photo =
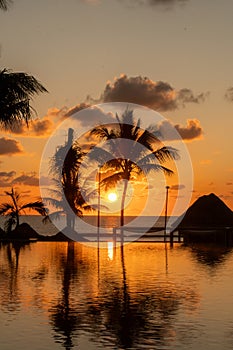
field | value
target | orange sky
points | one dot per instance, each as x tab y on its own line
80	50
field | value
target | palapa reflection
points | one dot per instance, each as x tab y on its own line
210	255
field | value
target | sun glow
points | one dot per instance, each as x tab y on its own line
112	197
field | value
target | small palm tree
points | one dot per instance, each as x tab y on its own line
15	208
16	91
131	161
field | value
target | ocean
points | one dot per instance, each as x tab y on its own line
106	222
143	296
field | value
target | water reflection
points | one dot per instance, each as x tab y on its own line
131	297
210	255
11	295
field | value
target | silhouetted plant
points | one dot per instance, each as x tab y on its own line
131	160
4	4
16	91
13	209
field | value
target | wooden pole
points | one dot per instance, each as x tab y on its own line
166	205
98	217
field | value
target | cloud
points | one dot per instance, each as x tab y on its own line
24	179
177	187
92	116
6	178
187	96
191	131
229	94
10	146
229	183
5	174
41	127
144	91
164	3
36	128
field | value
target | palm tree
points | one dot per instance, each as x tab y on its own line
68	196
132	161
15	208
4	4
16	91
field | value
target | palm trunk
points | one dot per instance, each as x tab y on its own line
12	194
17	219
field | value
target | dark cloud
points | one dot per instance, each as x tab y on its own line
162	3
6	178
5	174
29	180
41	127
191	131
90	116
10	146
187	96
37	127
144	91
79	107
229	183
229	94
177	187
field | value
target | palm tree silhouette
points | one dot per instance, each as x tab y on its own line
15	208
68	197
128	142
4	4
16	91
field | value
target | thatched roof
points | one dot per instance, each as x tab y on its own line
208	211
24	231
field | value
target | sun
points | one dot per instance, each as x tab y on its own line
112	196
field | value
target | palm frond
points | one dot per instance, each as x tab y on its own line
152	167
54	202
16	91
4	4
37	206
104	132
10	222
166	153
112	180
56	215
147	139
5	207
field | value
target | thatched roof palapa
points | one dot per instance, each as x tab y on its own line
207	211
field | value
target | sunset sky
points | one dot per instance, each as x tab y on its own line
173	56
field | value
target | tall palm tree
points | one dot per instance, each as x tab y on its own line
16	91
132	160
15	208
68	196
4	4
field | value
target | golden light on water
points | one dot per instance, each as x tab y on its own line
110	250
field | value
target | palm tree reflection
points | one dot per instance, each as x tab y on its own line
64	316
11	299
117	314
